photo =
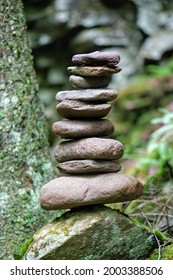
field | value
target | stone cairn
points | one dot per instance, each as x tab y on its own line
87	157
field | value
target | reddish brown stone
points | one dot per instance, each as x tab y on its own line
89	82
89	148
81	129
97	95
73	191
109	59
72	109
88	166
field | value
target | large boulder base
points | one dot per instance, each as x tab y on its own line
91	233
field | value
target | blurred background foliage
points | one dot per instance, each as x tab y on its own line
142	32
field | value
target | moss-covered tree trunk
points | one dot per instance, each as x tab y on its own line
24	158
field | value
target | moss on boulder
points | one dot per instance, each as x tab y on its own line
91	233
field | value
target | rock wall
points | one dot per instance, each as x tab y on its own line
139	30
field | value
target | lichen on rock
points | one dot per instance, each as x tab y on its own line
91	233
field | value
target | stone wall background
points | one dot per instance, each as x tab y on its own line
141	31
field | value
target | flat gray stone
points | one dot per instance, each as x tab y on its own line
73	191
90	71
81	129
72	109
103	95
109	59
89	148
88	166
89	82
93	233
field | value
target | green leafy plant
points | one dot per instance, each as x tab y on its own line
156	167
159	156
163	70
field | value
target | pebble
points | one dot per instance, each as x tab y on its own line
91	71
81	129
73	191
109	59
88	166
72	109
89	82
89	148
103	95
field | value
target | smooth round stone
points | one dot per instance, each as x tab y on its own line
71	109
88	166
99	95
109	59
81	129
89	148
89	71
89	82
73	191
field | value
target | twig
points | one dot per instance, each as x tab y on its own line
150	214
167	228
157	240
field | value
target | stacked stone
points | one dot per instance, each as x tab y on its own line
87	156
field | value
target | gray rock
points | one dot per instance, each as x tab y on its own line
73	191
93	233
166	18
81	129
72	109
89	82
148	14
90	71
88	166
88	148
154	47
97	58
103	95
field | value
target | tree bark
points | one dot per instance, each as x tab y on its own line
25	163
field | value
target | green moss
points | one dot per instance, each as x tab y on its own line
92	233
161	236
23	249
166	253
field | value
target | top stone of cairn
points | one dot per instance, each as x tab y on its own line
109	59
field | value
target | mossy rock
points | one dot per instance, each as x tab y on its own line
91	233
